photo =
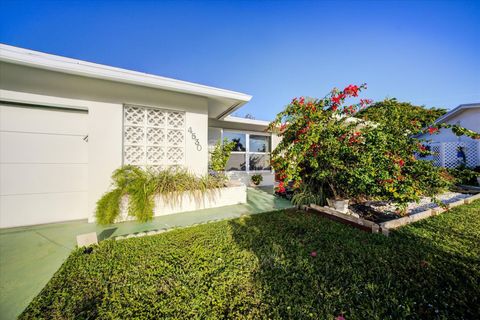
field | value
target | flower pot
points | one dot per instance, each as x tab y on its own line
339	205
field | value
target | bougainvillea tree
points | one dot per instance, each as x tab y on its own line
327	152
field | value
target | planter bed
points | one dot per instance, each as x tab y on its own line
381	216
192	200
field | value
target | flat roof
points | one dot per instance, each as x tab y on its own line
224	101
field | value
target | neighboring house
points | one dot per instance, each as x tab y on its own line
452	150
66	125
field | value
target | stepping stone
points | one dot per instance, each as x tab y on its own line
87	239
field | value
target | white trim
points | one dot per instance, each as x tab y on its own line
246	120
11	54
42	100
452	112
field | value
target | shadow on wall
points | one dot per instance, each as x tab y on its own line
310	267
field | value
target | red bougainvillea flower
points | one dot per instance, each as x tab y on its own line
301	101
338	98
365	102
400	162
313	253
432	130
281	187
350	109
340	317
351	90
283	126
353	139
334	107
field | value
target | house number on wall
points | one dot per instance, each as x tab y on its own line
194	137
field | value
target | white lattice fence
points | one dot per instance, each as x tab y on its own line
153	137
447	154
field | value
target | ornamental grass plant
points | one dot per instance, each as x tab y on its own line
142	185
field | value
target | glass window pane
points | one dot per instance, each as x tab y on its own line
214	134
259	143
259	162
238	138
236	162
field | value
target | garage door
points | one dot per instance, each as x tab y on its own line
43	165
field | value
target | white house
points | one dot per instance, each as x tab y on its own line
66	125
449	148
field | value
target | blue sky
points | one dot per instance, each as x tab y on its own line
425	52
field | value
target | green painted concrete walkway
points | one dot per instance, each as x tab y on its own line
30	256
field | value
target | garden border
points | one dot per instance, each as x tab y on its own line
385	227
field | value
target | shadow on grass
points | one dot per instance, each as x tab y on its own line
106	233
311	267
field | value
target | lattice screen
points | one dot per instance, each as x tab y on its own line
153	137
446	154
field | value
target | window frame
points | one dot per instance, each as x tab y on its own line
247	152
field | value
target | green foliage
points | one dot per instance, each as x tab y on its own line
465	176
402	115
257	179
407	118
141	187
261	267
306	196
108	207
220	154
324	145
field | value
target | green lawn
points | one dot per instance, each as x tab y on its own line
261	266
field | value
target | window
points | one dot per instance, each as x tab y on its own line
238	138
251	152
153	137
259	143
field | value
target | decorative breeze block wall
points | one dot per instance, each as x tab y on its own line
153	137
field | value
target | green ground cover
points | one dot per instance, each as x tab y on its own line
284	264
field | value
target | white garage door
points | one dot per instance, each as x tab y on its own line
43	165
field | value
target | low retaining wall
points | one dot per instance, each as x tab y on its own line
191	201
385	227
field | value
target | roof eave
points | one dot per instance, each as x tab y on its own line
10	54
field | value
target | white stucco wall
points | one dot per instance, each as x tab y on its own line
104	101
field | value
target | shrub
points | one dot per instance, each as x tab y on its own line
257	179
141	187
401	115
464	175
220	154
325	148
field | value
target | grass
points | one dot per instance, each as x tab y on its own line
261	266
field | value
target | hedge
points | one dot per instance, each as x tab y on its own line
287	264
